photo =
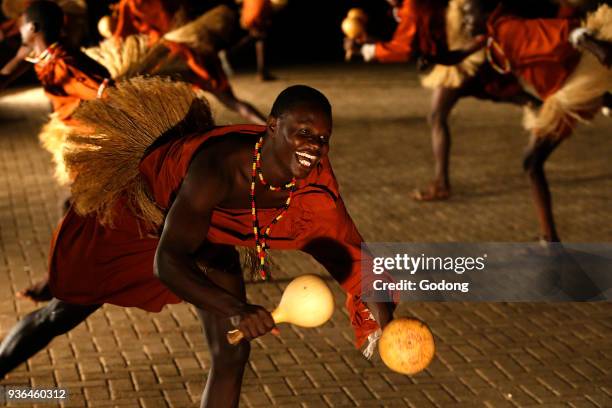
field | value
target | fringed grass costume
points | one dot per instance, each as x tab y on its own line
571	83
68	78
170	42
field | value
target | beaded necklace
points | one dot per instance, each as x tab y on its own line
44	56
260	238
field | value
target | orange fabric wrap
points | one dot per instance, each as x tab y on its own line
538	50
68	78
253	13
91	264
422	29
207	68
151	17
154	18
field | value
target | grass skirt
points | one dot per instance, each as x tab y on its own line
580	97
104	151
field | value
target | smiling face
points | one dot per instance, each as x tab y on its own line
300	137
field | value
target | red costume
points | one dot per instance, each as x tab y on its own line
254	13
93	264
537	50
422	29
68	78
151	17
155	18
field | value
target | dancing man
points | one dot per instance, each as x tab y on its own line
68	77
443	36
159	222
172	36
565	64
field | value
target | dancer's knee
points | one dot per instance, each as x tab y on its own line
438	118
533	163
231	357
59	317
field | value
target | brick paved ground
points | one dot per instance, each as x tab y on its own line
493	355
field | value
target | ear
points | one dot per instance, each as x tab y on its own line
271	124
35	27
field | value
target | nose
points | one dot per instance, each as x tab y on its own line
320	145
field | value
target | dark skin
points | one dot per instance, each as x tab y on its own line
258	36
226	97
537	153
601	49
445	99
443	102
15	68
220	176
33	40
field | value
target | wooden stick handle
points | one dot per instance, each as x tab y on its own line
234	337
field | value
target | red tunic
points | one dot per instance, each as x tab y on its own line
151	17
254	13
422	29
155	18
93	264
567	11
68	77
537	50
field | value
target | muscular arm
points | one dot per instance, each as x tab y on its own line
336	244
185	230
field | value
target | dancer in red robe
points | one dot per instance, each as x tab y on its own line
160	224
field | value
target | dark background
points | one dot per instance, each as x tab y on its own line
309	30
305	31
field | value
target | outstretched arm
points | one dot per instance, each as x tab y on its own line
15	67
185	230
601	49
336	244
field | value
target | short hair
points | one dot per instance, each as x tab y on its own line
297	95
48	17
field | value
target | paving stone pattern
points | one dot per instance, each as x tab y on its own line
488	354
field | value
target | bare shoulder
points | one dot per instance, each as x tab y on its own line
218	165
223	153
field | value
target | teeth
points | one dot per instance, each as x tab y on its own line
306	155
305	163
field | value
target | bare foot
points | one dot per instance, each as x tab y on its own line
432	193
266	76
38	292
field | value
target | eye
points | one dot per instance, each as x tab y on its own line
304	131
323	139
